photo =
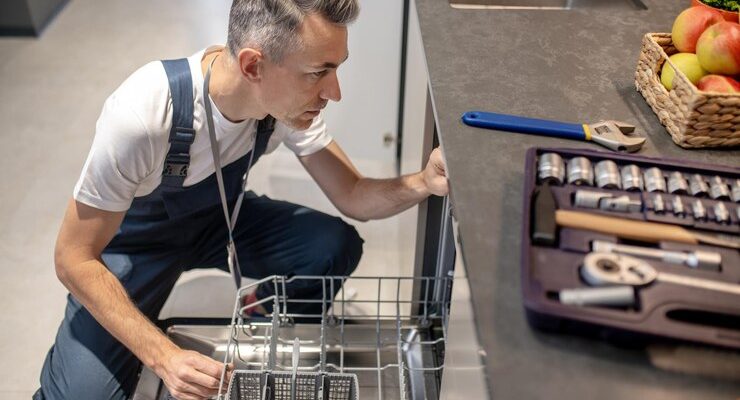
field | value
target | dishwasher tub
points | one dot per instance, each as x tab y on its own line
393	346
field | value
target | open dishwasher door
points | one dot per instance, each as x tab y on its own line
464	372
440	255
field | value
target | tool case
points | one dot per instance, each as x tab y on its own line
694	294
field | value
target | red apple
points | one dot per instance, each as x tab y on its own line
718	48
718	83
690	24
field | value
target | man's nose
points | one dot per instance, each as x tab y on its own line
331	90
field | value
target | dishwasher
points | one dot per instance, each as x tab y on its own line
386	343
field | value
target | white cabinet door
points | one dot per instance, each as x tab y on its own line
370	81
368	111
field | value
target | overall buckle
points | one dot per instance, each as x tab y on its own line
176	164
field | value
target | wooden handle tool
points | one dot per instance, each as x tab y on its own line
651	232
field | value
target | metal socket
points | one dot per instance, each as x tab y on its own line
607	175
718	189
606	201
621	203
698	210
579	171
698	186
677	183
631	178
600	296
589	199
551	168
654	181
721	214
678	208
658	203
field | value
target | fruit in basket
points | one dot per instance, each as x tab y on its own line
690	24
728	8
718	83
688	63
718	48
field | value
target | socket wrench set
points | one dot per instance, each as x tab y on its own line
631	248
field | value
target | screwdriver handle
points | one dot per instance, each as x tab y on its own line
514	123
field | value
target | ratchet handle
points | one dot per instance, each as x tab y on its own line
514	123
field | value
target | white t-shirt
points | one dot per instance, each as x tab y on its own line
132	132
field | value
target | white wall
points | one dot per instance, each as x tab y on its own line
370	84
370	81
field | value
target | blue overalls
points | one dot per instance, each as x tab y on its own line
176	228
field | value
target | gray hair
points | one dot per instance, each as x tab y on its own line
272	25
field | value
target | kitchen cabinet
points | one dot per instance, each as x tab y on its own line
365	121
27	17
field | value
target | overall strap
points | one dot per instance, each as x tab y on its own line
182	133
265	127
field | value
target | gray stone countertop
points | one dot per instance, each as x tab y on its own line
576	66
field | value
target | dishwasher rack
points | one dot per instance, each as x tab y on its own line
385	346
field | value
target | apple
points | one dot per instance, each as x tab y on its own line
688	63
718	48
718	83
690	24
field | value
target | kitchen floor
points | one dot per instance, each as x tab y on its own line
52	90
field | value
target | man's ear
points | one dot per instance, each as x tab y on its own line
251	63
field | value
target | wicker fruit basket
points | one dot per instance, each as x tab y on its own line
694	118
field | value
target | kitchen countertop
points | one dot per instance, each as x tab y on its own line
578	66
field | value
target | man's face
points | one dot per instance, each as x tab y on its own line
296	89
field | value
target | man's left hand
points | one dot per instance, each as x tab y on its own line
435	174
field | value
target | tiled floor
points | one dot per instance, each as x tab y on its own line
52	92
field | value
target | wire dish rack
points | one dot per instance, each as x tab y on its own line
387	346
268	384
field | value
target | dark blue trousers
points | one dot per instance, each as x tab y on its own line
273	238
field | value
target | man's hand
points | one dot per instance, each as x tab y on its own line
190	375
435	174
84	234
364	198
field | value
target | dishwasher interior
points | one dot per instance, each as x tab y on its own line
396	352
384	343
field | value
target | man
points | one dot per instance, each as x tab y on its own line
148	204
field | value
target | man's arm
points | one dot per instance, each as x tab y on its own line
364	198
84	234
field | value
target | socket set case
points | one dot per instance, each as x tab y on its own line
631	249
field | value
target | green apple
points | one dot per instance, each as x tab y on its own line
688	63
